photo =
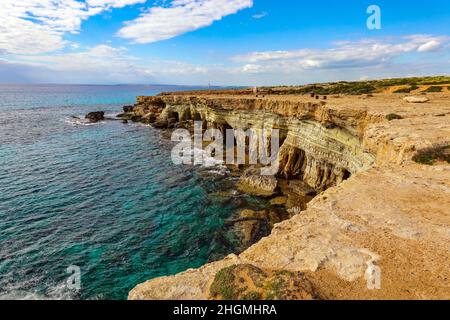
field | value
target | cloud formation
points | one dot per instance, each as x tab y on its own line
364	53
104	64
38	26
181	16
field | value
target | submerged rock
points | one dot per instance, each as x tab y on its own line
253	183
95	116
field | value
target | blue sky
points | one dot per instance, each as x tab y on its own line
222	42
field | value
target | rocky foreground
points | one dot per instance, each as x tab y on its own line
377	210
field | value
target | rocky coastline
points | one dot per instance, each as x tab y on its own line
352	198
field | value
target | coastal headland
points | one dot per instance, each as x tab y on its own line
375	163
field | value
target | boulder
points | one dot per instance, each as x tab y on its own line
252	182
413	99
301	188
95	116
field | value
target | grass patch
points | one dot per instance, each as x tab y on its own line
393	116
433	89
223	284
275	288
430	155
252	296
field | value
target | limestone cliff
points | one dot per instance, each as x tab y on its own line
378	208
318	144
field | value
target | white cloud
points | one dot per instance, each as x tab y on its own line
161	23
38	26
358	54
430	46
260	15
101	64
113	3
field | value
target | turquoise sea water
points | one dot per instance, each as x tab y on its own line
104	197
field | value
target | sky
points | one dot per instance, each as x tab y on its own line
221	42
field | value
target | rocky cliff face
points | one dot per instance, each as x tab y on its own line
378	212
316	146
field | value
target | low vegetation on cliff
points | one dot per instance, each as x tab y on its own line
433	154
433	89
247	282
393	116
365	87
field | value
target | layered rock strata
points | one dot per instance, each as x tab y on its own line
315	147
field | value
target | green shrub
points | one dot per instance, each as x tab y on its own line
407	90
430	155
433	89
252	296
223	284
393	116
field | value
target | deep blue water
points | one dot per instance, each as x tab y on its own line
105	197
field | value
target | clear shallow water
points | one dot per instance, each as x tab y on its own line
104	197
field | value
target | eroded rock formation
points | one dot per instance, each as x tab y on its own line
315	148
380	214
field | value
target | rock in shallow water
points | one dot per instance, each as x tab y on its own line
253	183
95	116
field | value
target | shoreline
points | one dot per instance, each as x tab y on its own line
366	221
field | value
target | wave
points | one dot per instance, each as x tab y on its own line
55	292
210	164
75	121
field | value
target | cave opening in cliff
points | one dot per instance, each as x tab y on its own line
174	115
346	175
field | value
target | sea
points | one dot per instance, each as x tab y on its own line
102	199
